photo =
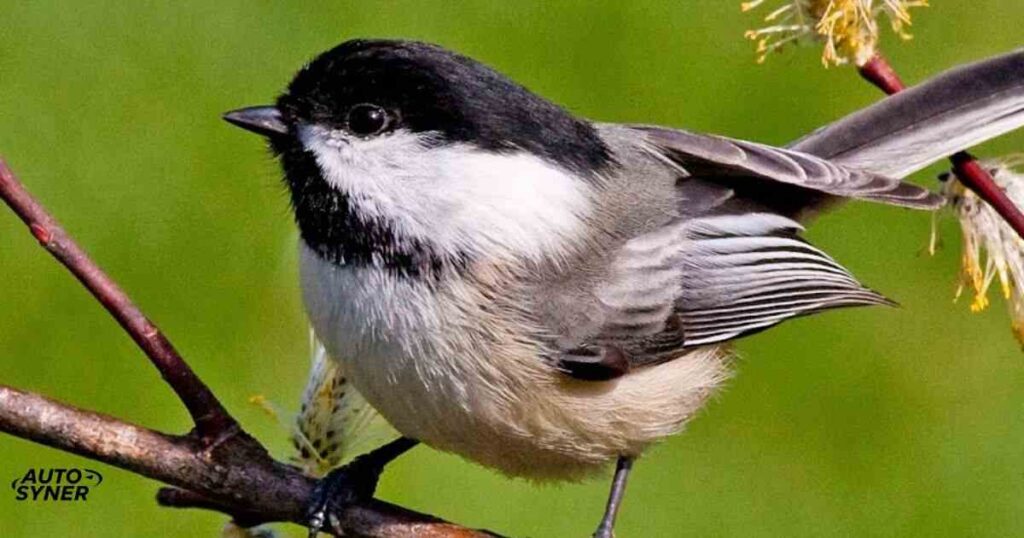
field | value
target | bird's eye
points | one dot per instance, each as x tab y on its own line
366	119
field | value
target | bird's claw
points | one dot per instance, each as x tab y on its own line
342	487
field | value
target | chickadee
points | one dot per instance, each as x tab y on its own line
543	294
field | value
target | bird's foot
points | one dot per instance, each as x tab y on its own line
342	487
353	483
604	530
607	527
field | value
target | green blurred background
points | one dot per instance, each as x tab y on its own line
876	422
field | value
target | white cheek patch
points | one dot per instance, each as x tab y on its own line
455	197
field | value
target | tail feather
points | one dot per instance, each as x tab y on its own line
917	127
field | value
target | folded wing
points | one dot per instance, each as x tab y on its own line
716	157
713	278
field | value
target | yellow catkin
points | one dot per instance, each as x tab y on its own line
992	250
848	29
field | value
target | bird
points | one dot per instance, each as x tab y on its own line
547	295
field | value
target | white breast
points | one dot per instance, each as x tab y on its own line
368	313
405	346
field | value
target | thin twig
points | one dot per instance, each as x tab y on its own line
212	421
880	72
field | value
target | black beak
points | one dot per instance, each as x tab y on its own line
262	120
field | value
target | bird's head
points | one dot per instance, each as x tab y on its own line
407	156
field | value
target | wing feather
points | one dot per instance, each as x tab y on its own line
747	272
712	278
717	157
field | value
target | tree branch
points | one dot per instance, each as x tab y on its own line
879	72
222	468
261	485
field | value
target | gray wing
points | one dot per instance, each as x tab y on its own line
735	270
710	156
728	262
